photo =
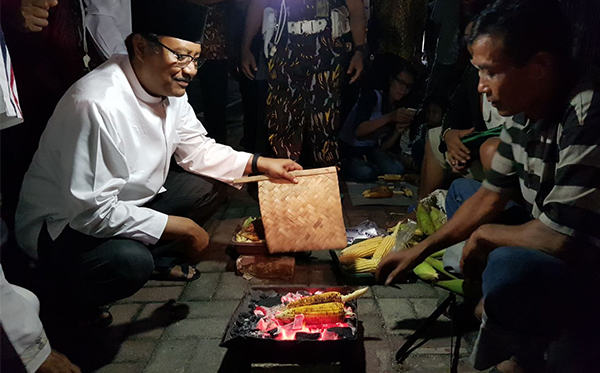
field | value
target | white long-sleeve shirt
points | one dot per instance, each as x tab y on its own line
106	152
19	317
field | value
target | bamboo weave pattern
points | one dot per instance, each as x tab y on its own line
303	217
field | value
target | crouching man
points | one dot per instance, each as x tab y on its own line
540	279
100	206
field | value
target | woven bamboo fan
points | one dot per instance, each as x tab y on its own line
301	217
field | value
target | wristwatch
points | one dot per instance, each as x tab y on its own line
254	164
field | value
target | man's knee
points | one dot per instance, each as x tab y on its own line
526	289
131	266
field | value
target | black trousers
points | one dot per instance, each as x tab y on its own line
92	272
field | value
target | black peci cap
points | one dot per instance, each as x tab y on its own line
180	19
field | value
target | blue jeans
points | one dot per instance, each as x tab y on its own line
531	293
377	163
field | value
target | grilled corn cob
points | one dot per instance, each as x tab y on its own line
330	296
403	192
362	249
378	192
317	313
426	272
391	177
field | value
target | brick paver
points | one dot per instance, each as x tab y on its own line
155	337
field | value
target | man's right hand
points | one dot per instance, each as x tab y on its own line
396	266
248	64
58	363
458	153
187	231
35	13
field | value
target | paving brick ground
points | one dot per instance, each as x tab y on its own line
176	327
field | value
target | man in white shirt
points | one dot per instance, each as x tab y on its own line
100	206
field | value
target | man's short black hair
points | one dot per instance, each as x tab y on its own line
527	27
129	41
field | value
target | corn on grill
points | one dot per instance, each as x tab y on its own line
288	323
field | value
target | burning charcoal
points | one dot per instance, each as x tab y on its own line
345	333
273	332
298	322
269	302
302	336
245	315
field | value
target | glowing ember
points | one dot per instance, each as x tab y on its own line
271	328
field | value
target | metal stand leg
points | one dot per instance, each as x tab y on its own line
406	349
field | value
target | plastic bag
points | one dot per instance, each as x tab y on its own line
406	232
365	230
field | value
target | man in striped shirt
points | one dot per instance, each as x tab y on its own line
541	278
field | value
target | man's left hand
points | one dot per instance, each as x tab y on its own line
278	168
475	254
356	66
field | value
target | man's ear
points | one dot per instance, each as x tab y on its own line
140	47
541	65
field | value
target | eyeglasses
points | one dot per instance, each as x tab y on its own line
183	59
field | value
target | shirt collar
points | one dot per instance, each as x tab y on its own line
138	90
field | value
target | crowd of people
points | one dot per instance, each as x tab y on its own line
109	180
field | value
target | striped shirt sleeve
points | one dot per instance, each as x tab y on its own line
573	205
502	177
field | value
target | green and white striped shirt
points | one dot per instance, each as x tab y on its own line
556	165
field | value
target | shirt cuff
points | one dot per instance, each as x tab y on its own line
156	228
240	164
33	362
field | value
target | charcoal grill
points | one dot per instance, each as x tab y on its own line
245	345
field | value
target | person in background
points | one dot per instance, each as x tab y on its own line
413	140
446	157
101	208
375	123
539	279
253	83
305	74
25	347
208	92
397	27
